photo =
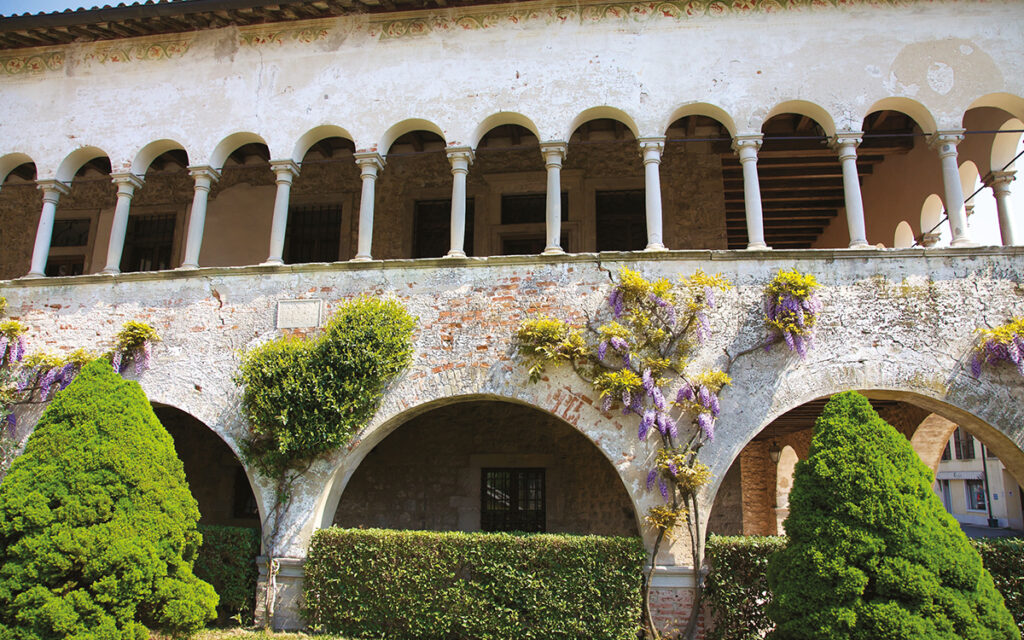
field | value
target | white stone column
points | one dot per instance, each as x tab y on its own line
945	143
370	163
460	158
846	143
554	153
204	176
284	171
746	147
126	183
52	191
652	148
1000	181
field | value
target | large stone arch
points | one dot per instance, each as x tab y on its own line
616	444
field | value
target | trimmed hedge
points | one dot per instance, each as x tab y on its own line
420	585
227	560
737	584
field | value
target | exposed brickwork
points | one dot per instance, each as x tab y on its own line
671	608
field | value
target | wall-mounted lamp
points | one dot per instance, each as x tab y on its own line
774	452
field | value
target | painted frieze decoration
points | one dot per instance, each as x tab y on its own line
31	63
127	51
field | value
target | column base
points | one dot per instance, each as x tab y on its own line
287	596
272	262
455	254
964	243
757	246
187	267
110	272
362	257
32	275
655	246
553	251
859	245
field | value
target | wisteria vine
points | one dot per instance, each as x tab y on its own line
791	309
1004	343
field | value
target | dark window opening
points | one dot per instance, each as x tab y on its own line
512	500
148	243
529	208
963	443
313	234
526	244
64	266
621	220
73	232
946	454
432	236
245	501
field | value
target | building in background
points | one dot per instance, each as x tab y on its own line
976	488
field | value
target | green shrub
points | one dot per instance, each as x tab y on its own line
97	525
227	560
737	583
307	397
1004	559
418	585
736	587
872	554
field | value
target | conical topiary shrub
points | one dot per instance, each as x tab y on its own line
872	555
97	525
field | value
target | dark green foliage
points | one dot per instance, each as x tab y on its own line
1004	559
227	560
737	584
872	554
736	587
419	585
97	525
307	397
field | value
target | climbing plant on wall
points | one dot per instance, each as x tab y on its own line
305	397
1004	343
642	344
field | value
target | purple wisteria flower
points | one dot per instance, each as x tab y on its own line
685	392
25	379
652	475
47	382
147	354
672	468
115	361
673	427
709	297
976	364
3	346
647	381
645	424
707	425
602	349
19	349
663	488
661	302
619	344
658	398
714	406
627	397
615	302
704	396
606	404
12	423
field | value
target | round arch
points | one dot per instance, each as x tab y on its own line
396	131
357	454
970	178
229	144
1008	102
804	108
213	446
784	484
12	161
598	113
701	109
151	152
499	119
315	135
908	106
904	236
931	215
75	160
1005	144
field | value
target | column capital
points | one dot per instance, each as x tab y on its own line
1000	180
747	144
370	162
846	139
554	151
203	171
52	189
460	158
651	148
945	142
284	169
127	182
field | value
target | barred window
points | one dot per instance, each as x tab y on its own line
148	243
512	500
621	219
313	234
963	444
432	223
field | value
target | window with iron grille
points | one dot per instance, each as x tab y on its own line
512	500
313	234
946	455
148	243
525	208
621	219
432	223
963	444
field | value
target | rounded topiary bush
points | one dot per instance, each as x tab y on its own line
872	554
97	525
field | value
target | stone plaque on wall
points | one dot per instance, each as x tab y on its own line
299	314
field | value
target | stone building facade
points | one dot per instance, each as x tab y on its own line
232	175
